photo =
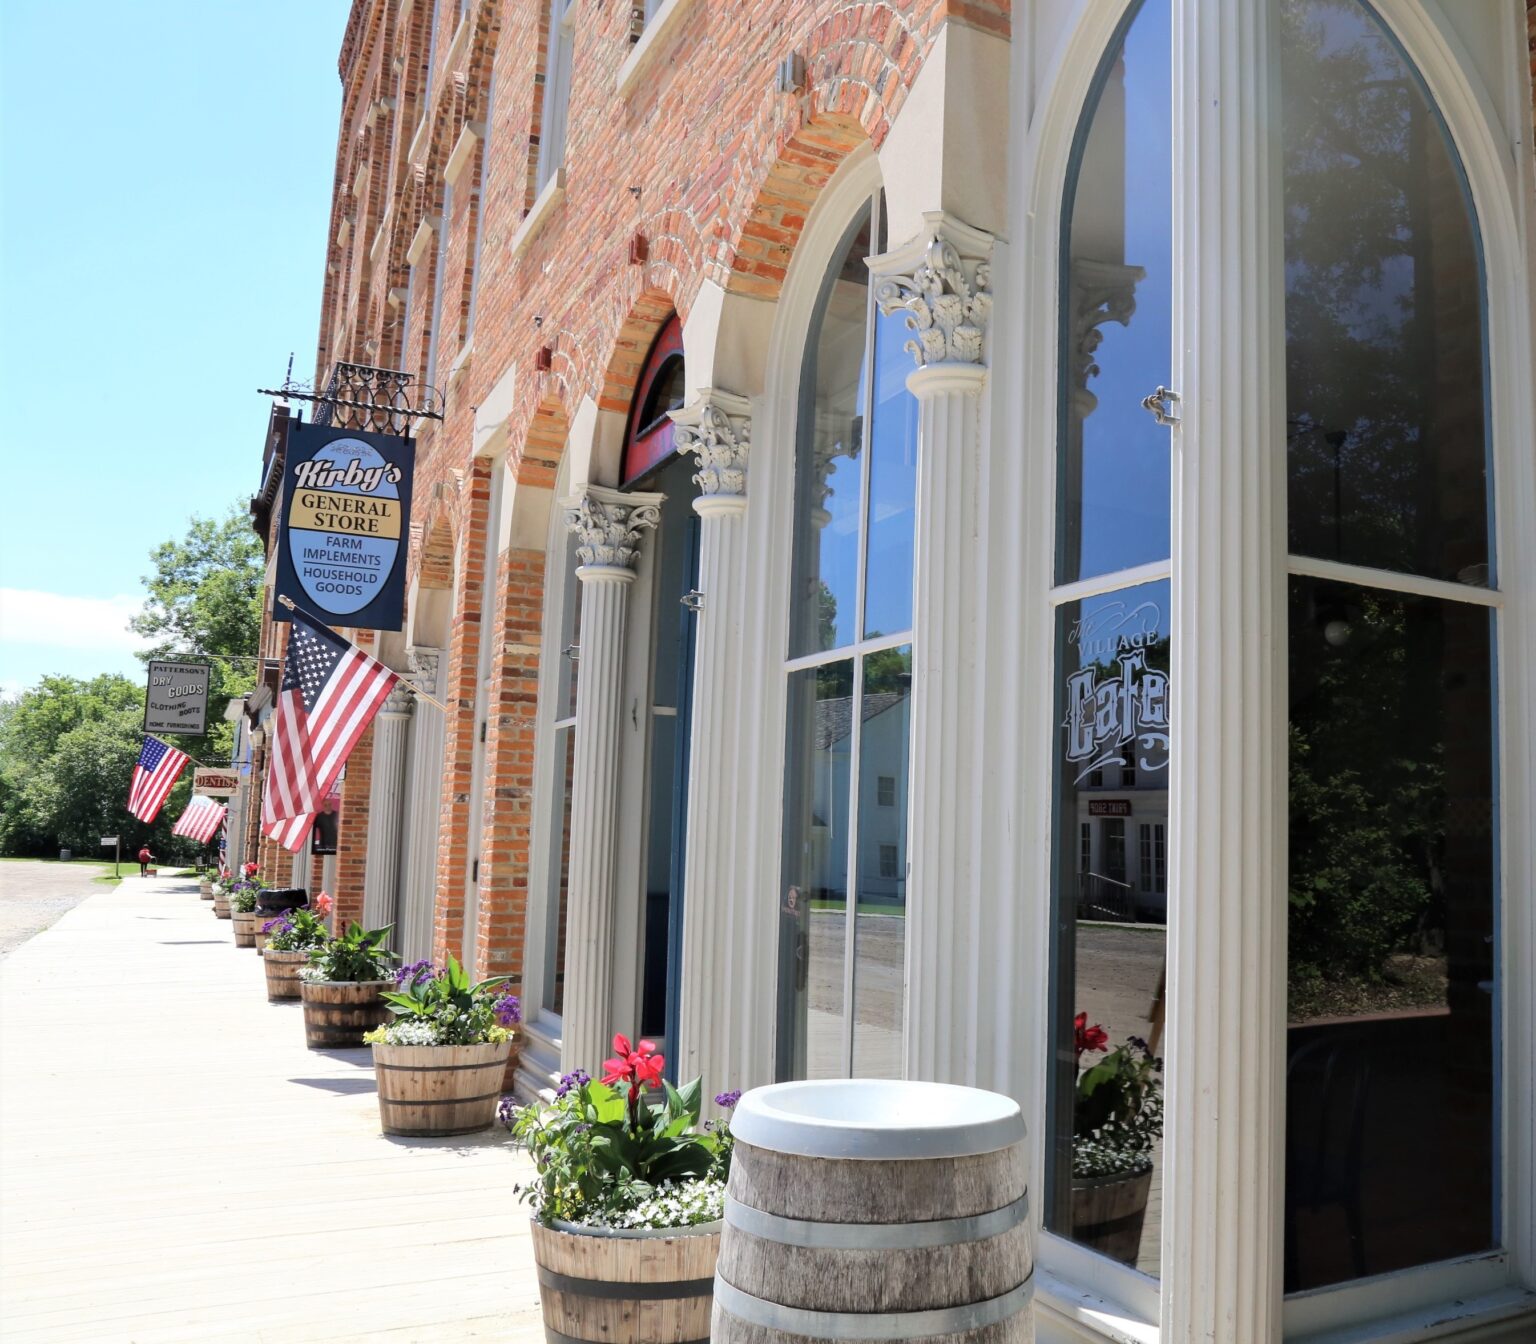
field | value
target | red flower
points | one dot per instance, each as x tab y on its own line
638	1064
1088	1038
323	904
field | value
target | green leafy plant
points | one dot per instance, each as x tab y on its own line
435	1005
242	894
359	954
1117	1113
606	1156
295	931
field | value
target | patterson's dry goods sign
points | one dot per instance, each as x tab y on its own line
177	701
346	523
215	783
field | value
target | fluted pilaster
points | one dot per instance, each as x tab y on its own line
1227	856
940	279
608	527
386	801
415	905
717	429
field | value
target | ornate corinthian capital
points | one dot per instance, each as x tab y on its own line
942	280
608	525
1102	291
717	429
401	701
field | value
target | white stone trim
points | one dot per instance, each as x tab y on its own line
416	153
463	151
421	240
543	206
658	28
380	239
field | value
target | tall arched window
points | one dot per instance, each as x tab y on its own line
842	922
1392	1144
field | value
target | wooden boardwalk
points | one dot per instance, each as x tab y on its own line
175	1165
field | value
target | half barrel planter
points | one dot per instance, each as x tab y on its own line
246	922
205	888
221	904
651	1286
282	970
338	1012
428	1091
876	1209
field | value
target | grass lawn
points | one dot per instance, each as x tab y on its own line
865	908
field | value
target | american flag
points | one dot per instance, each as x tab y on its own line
201	820
292	833
159	767
330	692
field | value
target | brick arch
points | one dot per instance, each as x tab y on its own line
647	312
537	461
860	65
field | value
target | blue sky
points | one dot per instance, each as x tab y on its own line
165	180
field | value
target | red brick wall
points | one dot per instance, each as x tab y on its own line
717	171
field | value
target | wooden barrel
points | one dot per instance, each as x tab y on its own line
876	1210
514	1061
221	905
245	924
283	973
439	1089
338	1012
635	1287
1108	1211
205	889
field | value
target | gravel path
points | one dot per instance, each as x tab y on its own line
35	892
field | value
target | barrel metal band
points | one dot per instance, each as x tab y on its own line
436	1101
877	1236
439	1068
628	1292
555	1337
872	1325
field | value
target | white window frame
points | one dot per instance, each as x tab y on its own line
439	269
1081	1295
555	107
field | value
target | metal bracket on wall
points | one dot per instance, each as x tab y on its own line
1161	404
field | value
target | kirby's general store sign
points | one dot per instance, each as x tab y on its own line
346	521
177	698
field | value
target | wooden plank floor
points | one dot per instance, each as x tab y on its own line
176	1165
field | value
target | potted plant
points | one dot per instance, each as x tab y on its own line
242	906
221	886
288	940
1117	1121
343	985
628	1196
440	1062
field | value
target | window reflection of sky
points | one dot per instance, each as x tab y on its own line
1125	484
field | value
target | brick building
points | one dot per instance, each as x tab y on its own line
866	429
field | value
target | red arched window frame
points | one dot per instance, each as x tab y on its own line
650	436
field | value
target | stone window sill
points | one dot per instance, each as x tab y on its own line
543	207
657	30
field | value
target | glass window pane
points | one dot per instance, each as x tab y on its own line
814	908
880	938
1117	318
1383	309
828	485
1390	1077
892	485
658	881
570	626
1104	1145
559	872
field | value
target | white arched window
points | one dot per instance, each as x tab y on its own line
1394	1158
842	926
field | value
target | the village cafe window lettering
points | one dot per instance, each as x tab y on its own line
1117	703
347	512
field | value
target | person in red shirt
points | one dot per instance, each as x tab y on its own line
145	859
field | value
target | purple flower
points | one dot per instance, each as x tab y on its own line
407	975
506	1111
508	1010
569	1082
727	1100
282	924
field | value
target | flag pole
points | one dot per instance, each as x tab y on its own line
411	686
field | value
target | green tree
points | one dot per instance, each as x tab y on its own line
204	602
